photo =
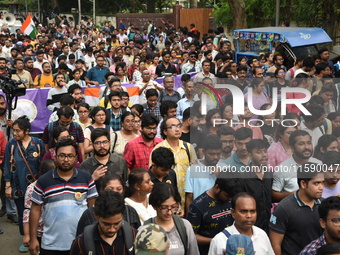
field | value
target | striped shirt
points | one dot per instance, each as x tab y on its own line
63	202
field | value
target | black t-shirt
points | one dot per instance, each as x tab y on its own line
194	137
170	178
297	222
268	132
161	69
209	217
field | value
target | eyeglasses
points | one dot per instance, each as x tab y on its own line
335	221
106	226
166	209
63	156
173	127
98	143
83	112
125	99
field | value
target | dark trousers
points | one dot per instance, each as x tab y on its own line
20	202
49	252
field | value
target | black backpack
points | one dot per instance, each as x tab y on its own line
89	244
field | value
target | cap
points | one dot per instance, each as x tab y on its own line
151	238
240	245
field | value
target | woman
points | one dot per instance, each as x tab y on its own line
259	96
58	134
98	116
233	69
226	112
242	61
152	68
113	182
133	67
137	126
49	56
23	155
166	201
83	110
209	128
334	117
269	62
137	74
267	125
121	74
140	186
279	83
281	150
126	133
174	59
300	81
327	91
325	143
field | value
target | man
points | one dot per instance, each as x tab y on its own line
284	179
90	60
145	85
321	70
29	67
65	52
128	57
54	94
206	72
324	56
193	65
64	70
202	175
329	211
103	161
241	81
210	212
3	70
113	84
161	169
184	152
257	181
22	74
65	118
313	123
40	60
76	92
122	36
14	55
190	133
64	194
253	62
45	79
2	54
278	63
245	121
111	232
114	113
65	100
152	107
241	157
137	151
187	101
76	52
244	213
295	221
96	75
307	66
227	137
168	93
165	67
332	186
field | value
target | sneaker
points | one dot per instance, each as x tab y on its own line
3	211
12	218
23	249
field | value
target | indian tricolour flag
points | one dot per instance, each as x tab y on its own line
29	28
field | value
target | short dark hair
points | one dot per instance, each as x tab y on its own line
229	183
109	203
256	144
163	157
316	111
243	133
149	120
212	142
65	111
328	249
139	108
66	142
305	174
240	195
98	132
308	62
330	158
114	94
242	68
225	130
320	67
162	192
166	105
72	88
151	93
330	203
295	134
66	99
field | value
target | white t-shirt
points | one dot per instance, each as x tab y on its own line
260	240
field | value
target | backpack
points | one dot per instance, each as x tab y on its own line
180	228
107	127
50	128
187	150
89	244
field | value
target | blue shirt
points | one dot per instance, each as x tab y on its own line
235	161
97	74
183	104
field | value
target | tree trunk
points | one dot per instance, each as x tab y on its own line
238	9
193	4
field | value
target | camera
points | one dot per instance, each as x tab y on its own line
10	86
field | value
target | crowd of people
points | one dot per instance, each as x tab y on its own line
159	175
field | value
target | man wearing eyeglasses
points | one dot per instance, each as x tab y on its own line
64	193
329	212
103	160
295	221
193	65
113	84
